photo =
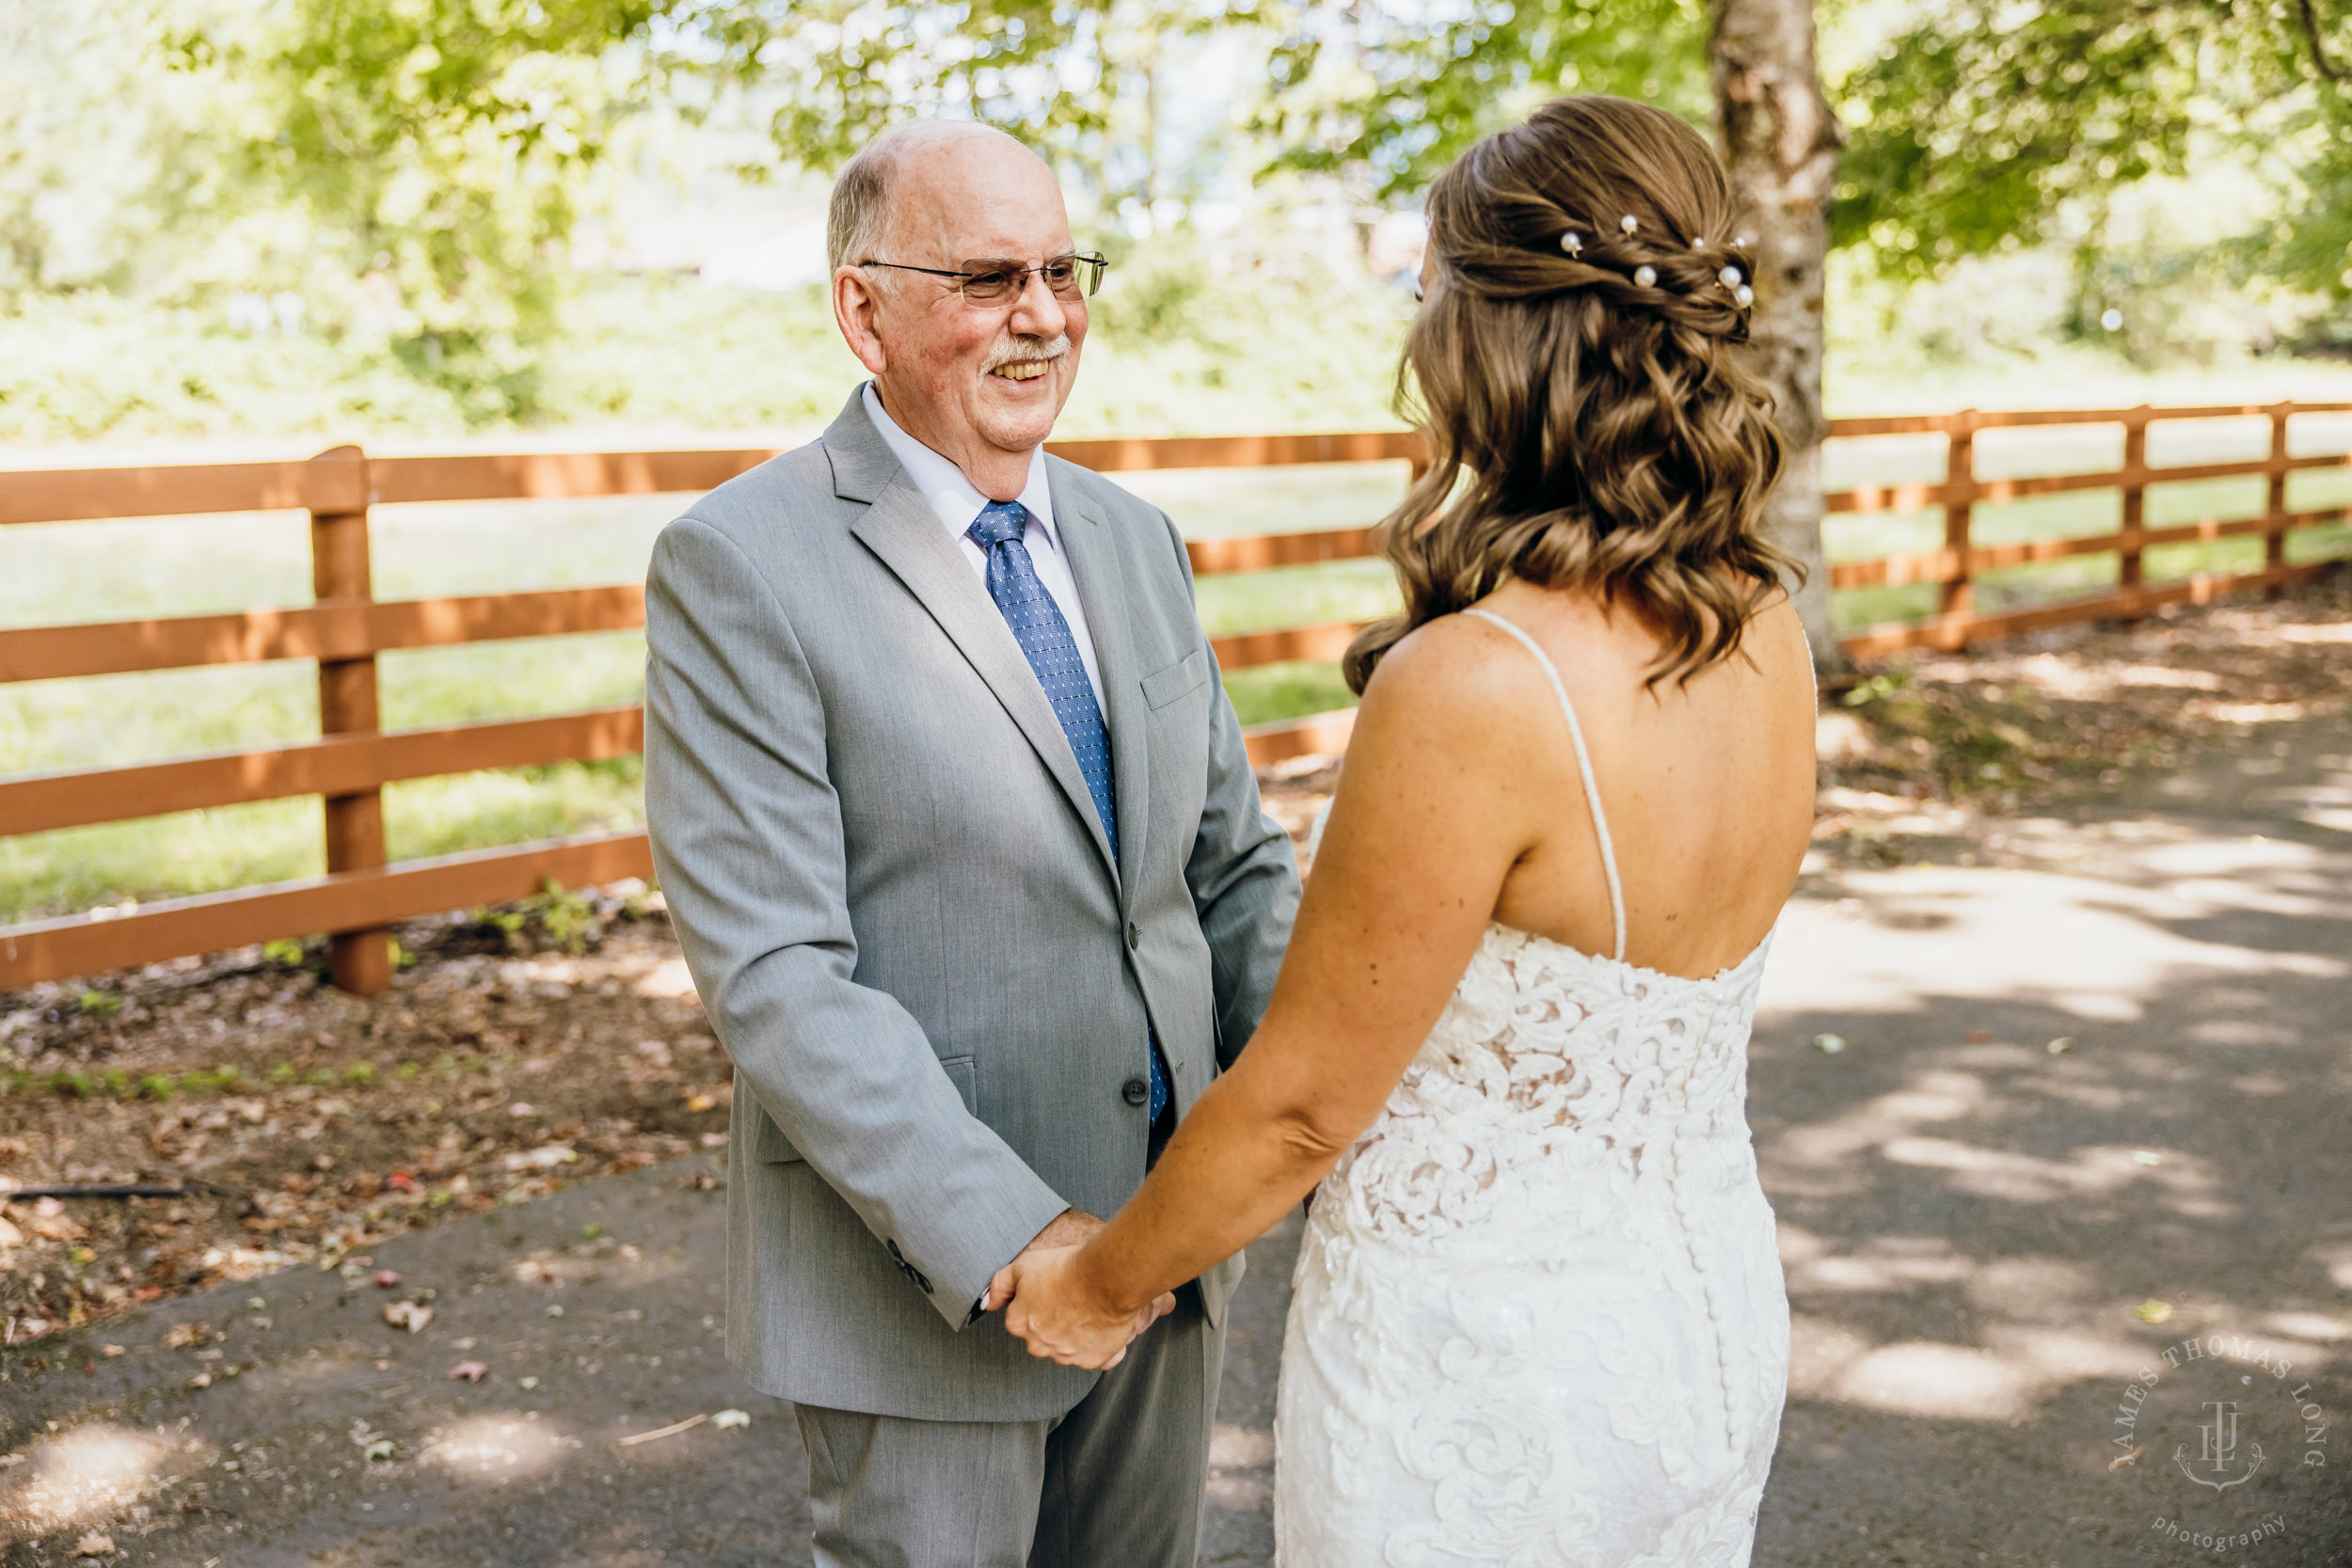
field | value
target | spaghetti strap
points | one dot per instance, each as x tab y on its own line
1583	767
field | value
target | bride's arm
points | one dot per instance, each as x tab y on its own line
1443	791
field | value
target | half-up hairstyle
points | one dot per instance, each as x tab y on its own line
1578	364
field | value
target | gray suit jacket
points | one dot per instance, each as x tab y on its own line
903	916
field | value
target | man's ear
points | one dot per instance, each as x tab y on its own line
856	309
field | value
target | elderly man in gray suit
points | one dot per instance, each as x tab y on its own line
964	849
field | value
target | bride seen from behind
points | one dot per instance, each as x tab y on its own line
1538	1315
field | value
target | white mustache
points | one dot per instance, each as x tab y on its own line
1024	351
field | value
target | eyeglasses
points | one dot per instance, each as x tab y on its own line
991	280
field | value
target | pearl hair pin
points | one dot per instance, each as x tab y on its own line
1745	295
1645	276
1573	243
1628	223
1730	276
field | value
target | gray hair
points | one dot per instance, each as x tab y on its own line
860	212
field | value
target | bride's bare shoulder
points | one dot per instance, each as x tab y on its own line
1450	681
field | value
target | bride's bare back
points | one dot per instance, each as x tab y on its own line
1461	803
1707	784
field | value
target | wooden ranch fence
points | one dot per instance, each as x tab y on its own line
346	627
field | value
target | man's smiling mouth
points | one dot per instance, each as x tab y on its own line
1027	359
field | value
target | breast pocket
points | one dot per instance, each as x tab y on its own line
1180	679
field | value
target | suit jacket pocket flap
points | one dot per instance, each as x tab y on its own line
962	1075
1179	679
770	1146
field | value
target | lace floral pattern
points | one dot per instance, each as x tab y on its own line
1538	1315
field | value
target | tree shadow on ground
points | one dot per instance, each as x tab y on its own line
2101	1093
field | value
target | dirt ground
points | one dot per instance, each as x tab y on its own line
305	1126
525	1049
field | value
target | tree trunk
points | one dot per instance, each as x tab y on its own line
1781	142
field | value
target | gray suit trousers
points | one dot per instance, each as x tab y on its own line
1118	1480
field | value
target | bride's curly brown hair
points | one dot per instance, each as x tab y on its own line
1589	419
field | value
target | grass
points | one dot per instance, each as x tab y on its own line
57	574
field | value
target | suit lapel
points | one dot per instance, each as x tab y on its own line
1093	552
900	528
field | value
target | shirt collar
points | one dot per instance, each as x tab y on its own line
957	500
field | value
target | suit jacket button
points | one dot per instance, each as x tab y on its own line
1135	1091
1134	936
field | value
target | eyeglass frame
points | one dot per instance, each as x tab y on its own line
1099	262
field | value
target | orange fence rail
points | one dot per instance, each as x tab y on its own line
346	627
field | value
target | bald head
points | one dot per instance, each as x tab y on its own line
905	164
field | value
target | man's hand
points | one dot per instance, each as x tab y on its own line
1054	1309
1071	1227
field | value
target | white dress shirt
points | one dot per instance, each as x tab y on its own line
959	504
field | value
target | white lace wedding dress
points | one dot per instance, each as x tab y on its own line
1538	1316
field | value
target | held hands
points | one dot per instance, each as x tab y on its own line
1049	1303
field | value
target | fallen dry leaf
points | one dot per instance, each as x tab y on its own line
2117	1464
472	1372
1979	1036
2152	1311
94	1544
384	1280
410	1315
731	1419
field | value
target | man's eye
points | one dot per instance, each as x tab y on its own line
1059	273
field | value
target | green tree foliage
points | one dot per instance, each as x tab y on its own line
368	92
434	149
1983	124
1402	88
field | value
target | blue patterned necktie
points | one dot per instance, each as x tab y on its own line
1044	637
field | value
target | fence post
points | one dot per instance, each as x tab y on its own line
2275	508
2131	570
1959	598
361	961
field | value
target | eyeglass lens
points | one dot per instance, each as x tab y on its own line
991	281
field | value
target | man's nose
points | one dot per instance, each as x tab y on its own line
1038	311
